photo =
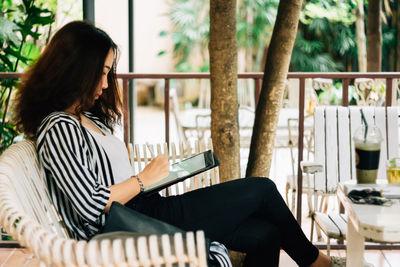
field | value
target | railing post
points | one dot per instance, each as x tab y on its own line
345	93
389	93
166	109
300	149
345	103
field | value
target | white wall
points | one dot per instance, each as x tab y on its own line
150	20
112	16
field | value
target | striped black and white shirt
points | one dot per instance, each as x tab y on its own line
78	172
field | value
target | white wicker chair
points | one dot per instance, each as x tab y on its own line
26	213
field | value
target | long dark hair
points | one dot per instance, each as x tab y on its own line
69	70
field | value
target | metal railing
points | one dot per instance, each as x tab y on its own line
345	77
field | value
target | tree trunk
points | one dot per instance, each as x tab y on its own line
224	100
374	36
276	69
360	31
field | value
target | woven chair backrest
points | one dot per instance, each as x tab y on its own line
19	164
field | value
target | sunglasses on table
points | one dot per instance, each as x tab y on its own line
368	196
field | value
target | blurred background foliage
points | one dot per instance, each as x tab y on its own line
22	24
325	40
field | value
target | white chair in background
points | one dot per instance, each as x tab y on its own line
195	123
28	216
308	153
287	133
334	159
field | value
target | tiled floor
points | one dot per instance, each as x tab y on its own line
12	257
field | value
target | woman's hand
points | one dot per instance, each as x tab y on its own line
156	170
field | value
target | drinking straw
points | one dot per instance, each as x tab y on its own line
365	123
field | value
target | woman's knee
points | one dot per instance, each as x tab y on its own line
263	184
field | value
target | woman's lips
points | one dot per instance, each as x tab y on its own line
96	96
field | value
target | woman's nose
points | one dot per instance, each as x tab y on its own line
105	82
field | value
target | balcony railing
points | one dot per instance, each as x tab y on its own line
345	77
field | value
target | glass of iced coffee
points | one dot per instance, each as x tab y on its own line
367	141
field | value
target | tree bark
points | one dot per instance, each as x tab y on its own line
360	31
374	36
270	102
224	100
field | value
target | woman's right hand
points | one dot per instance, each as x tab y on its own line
156	170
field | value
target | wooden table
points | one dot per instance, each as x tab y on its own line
368	222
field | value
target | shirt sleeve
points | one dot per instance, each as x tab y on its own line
65	155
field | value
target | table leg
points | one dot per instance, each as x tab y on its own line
355	247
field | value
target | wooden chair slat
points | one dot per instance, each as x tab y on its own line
380	122
166	250
355	123
393	131
331	224
319	124
331	144
344	144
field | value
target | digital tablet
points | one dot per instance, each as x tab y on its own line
185	169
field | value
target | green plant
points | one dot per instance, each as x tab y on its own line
326	39
326	35
190	32
21	26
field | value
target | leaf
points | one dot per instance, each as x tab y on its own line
5	4
10	51
7	31
161	53
30	51
40	16
8	83
6	65
163	33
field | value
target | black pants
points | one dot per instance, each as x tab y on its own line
247	215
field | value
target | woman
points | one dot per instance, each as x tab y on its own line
68	102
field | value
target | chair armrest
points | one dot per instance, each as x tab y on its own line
311	167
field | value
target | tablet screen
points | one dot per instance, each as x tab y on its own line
188	166
185	169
